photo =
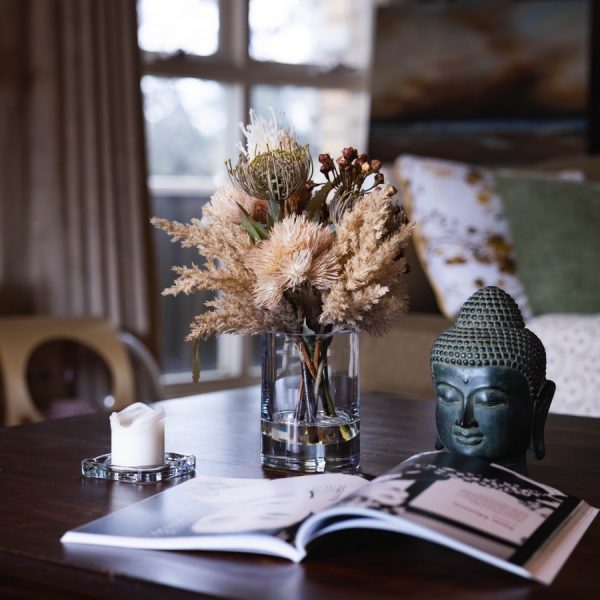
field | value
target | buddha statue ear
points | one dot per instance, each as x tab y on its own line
541	406
438	443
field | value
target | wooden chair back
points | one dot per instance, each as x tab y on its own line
19	338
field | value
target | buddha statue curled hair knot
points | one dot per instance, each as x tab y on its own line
489	373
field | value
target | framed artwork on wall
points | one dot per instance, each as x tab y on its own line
483	82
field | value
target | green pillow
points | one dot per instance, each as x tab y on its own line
555	226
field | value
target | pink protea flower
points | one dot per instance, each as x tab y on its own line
297	253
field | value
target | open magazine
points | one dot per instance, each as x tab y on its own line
478	508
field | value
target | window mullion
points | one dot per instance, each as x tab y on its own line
233	32
230	354
254	72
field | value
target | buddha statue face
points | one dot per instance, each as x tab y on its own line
488	370
483	411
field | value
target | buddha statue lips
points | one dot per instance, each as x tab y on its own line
467	437
489	373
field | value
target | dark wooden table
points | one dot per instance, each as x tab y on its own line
42	495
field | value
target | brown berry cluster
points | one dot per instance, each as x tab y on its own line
350	170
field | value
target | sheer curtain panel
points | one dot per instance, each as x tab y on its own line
74	232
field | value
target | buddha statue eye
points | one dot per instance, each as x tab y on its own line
448	393
490	397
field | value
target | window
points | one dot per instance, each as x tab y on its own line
179	25
206	62
332	33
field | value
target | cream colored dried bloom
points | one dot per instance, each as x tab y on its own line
275	175
369	293
225	205
297	253
224	246
272	166
263	135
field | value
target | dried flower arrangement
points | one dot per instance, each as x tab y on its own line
291	255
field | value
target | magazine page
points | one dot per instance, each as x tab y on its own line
216	513
475	507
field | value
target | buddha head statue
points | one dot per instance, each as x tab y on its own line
489	374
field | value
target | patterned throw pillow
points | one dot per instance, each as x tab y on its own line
555	228
572	345
462	237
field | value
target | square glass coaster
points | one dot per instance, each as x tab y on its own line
175	465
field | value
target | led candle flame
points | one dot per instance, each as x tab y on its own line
138	436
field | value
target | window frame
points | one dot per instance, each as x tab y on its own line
232	64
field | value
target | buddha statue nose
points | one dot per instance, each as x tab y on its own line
466	417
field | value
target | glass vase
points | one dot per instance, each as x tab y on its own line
310	405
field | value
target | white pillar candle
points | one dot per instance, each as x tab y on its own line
138	436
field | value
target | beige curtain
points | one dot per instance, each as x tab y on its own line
74	230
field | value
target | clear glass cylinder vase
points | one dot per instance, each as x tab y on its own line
310	405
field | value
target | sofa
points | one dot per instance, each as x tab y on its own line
398	363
